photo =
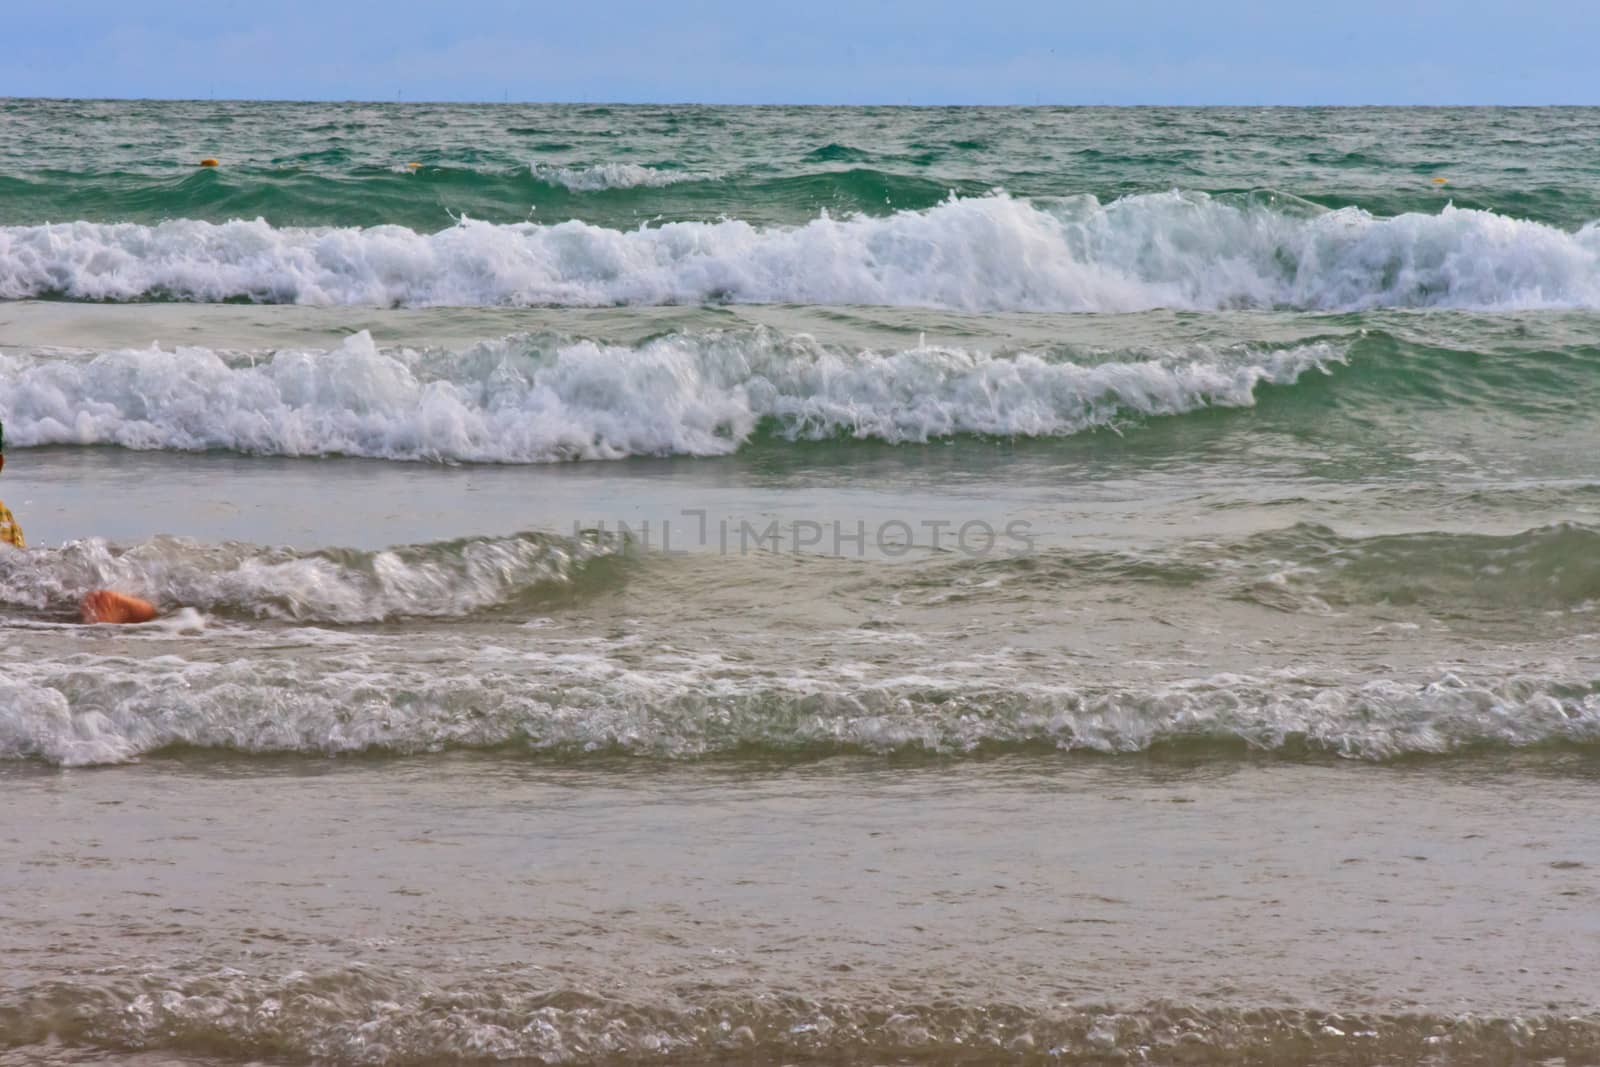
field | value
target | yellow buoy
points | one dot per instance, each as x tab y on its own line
208	162
1440	181
413	166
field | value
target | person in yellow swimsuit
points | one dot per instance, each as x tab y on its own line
10	532
102	605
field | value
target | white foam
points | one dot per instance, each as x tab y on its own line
575	697
525	400
446	580
1182	250
602	176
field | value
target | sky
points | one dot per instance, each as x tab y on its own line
811	51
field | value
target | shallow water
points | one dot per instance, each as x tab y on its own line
1176	910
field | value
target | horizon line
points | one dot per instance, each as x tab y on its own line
478	101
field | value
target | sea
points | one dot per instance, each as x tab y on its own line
791	585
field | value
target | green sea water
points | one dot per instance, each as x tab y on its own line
623	166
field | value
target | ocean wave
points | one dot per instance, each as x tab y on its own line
1309	568
565	693
571	698
450	579
370	1013
532	399
1179	250
435	194
1302	569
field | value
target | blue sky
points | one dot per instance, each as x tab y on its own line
819	51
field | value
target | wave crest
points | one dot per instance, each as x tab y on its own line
1181	250
531	400
569	699
601	176
451	579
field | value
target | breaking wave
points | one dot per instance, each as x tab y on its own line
570	699
532	399
450	579
1180	250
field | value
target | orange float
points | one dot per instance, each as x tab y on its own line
103	605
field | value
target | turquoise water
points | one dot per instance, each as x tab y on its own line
1009	463
623	166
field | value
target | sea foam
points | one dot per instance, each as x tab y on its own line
451	579
601	176
1179	250
537	399
570	698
